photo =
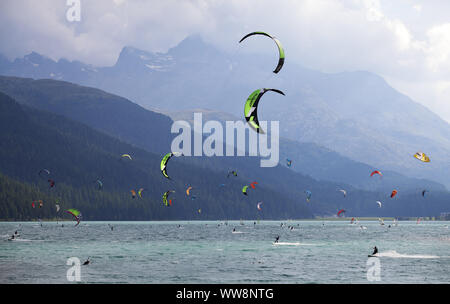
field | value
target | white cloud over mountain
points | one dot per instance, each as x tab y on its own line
407	42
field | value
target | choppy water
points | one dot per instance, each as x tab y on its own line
203	252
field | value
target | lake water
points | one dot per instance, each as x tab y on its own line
209	252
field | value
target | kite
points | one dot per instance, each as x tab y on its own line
76	215
234	173
165	196
394	193
244	190
188	190
126	156
44	171
251	108
99	184
308	195
376	172
278	43
51	183
422	157
140	192
33	203
165	160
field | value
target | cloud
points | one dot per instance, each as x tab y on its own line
417	7
438	49
407	43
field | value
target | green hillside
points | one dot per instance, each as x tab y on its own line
77	156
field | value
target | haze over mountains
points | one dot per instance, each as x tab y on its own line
356	114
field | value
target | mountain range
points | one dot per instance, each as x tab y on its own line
354	114
79	146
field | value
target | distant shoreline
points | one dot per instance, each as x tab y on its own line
331	219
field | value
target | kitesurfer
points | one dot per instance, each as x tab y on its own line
87	262
277	238
375	250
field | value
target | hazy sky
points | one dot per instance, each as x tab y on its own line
405	41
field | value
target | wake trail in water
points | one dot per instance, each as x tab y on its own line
395	254
286	244
293	244
24	240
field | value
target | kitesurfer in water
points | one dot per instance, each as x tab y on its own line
87	261
375	250
277	238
